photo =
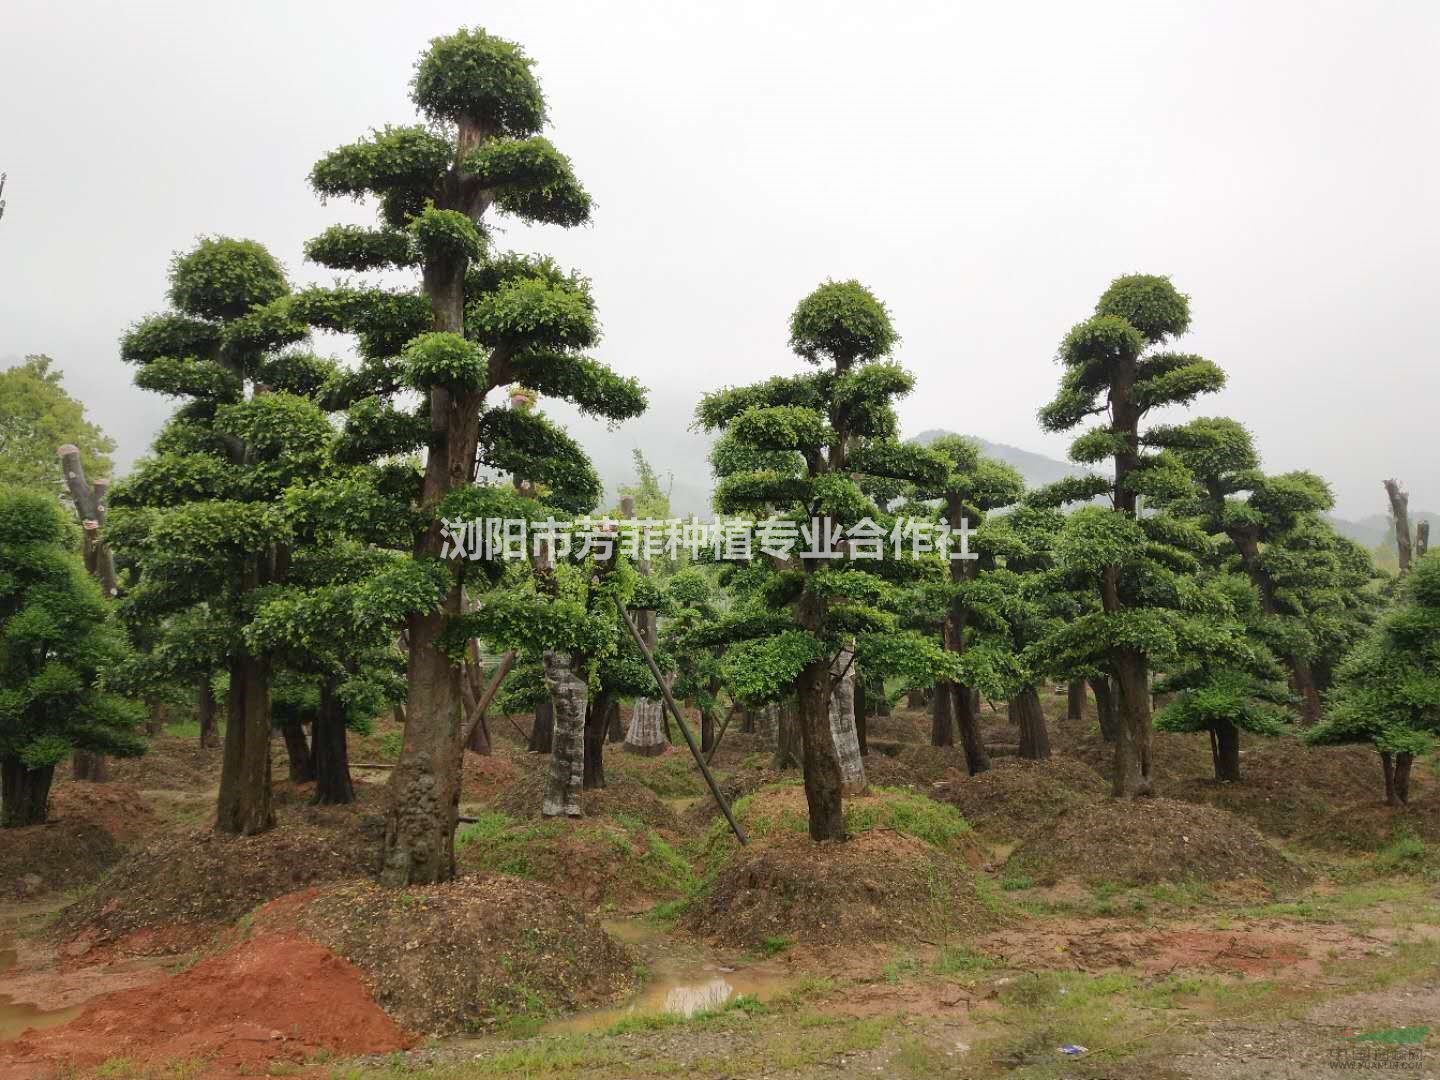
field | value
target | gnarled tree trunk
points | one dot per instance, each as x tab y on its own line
568	693
1400	516
1027	711
1106	708
302	769
597	722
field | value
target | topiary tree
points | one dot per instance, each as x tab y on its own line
57	639
803	444
973	486
1115	368
477	323
201	517
1387	693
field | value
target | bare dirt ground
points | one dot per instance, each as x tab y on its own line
1010	926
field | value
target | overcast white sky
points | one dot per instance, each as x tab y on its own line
985	168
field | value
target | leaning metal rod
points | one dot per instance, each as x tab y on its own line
680	720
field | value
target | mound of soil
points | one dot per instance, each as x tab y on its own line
622	798
1145	841
466	955
486	775
892	772
879	886
273	997
1288	789
1369	825
734	787
170	764
933	763
197	875
88	826
1016	799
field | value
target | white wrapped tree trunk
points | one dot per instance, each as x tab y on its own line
842	723
568	696
646	734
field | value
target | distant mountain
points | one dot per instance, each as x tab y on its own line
1037	469
1374	530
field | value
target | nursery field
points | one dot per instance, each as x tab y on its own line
979	926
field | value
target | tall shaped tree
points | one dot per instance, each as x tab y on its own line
477	323
804	443
1114	368
57	638
200	516
1388	692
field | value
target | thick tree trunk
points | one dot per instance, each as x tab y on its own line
1132	746
942	723
1302	681
1387	765
707	729
91	767
1029	714
1106	708
424	789
205	710
917	699
1225	746
842	723
614	723
24	793
568	694
823	784
542	731
244	805
1403	762
646	734
302	769
330	753
597	717
1422	539
1075	701
965	703
788	748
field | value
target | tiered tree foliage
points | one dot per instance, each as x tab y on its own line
477	323
1387	693
973	486
57	638
201	517
1115	368
804	443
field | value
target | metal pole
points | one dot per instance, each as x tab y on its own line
680	720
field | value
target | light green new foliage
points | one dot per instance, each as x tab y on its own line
37	416
57	641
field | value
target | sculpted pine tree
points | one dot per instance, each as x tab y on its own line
57	638
1115	368
804	444
201	519
478	323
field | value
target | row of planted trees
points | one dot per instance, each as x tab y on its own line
290	536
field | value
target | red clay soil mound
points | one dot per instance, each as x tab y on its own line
879	886
622	796
273	998
201	876
1145	841
88	826
1016	799
486	775
466	955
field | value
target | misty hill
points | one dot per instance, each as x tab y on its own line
1375	529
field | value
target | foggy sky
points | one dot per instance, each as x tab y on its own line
986	169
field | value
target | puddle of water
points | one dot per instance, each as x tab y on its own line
16	1017
679	985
